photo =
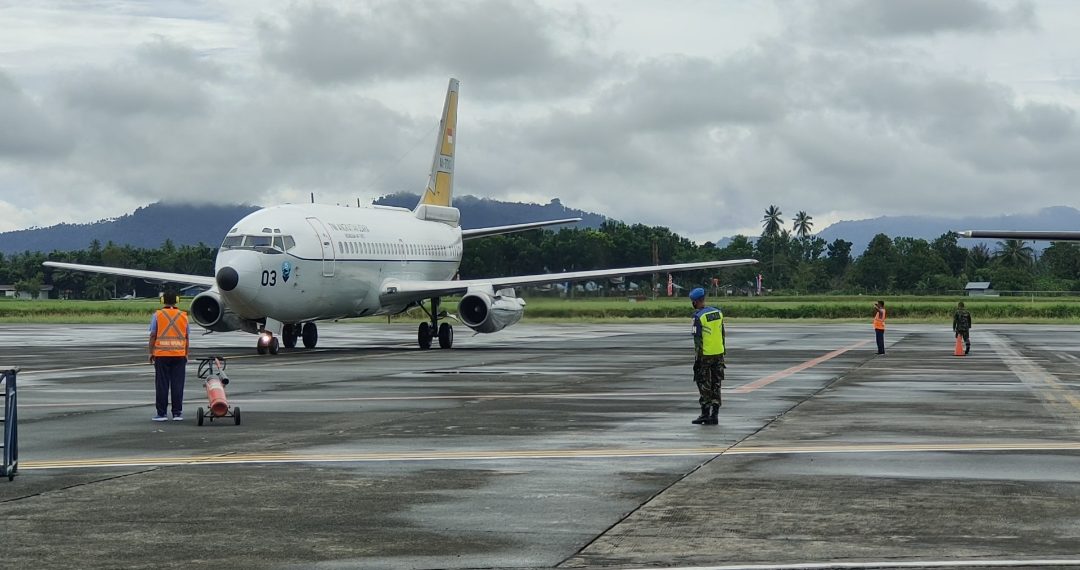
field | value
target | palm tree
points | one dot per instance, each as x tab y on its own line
979	256
772	222
1014	253
803	224
99	287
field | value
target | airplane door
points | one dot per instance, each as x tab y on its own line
329	255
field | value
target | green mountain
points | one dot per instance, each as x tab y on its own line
189	224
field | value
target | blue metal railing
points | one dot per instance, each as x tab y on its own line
10	462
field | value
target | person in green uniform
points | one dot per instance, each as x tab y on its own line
709	336
961	325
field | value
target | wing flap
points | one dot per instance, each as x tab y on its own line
1025	235
159	276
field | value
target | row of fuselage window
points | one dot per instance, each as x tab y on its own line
400	249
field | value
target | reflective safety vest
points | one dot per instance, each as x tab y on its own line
879	319
172	327
711	323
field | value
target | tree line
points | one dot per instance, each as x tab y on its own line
791	261
797	261
25	271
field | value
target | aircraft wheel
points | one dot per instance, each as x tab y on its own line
423	336
275	346
446	335
236	415
260	347
289	336
199	415
310	334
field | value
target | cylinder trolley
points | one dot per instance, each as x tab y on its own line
212	373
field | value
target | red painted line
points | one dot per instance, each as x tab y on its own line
762	382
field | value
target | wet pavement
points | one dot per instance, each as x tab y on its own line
551	446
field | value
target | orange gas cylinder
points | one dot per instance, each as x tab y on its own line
215	392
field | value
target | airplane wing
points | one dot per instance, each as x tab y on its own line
396	291
136	273
1037	236
496	230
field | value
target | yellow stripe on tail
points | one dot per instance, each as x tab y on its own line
440	186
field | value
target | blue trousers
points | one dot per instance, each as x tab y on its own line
880	340
169	380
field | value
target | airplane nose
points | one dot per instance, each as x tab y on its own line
227	278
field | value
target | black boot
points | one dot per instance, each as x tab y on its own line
712	419
704	417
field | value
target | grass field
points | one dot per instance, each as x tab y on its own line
59	311
814	308
1002	309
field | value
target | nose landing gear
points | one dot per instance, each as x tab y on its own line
267	343
428	331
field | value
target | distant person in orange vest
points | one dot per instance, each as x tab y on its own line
879	325
169	341
961	325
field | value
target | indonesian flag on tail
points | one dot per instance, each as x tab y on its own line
449	135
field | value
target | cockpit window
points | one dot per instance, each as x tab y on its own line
257	241
232	242
263	244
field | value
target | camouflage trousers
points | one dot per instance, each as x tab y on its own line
708	374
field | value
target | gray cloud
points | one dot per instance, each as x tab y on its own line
162	80
909	18
238	151
26	132
678	95
164	53
501	48
163	124
849	131
699	142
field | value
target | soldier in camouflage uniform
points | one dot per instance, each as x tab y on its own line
961	325
709	336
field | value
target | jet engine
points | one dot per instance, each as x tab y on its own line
486	313
211	313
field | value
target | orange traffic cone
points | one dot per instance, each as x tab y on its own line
959	350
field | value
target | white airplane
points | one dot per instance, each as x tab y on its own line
282	268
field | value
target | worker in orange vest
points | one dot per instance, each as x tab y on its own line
879	325
169	341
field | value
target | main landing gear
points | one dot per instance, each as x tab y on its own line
428	331
308	332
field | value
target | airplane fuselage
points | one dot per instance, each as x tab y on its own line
299	263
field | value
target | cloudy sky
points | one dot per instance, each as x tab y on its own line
692	114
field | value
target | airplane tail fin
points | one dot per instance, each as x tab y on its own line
440	186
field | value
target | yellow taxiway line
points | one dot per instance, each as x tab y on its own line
512	454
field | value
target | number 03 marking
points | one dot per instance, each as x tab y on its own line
269	278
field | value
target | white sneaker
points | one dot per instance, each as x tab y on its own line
178	418
160	418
